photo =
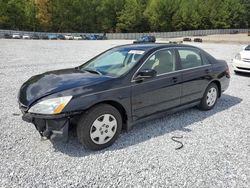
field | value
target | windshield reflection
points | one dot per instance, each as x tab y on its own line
115	62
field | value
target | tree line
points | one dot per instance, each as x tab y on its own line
123	15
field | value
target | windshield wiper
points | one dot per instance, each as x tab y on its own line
92	71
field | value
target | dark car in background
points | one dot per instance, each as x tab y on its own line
35	36
44	37
60	37
95	37
234	32
146	39
198	40
7	36
52	36
187	39
120	87
84	37
92	37
102	37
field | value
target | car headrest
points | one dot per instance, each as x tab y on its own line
164	57
191	58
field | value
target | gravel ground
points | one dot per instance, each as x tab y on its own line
216	143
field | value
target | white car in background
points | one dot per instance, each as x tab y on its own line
241	62
26	36
69	37
77	37
16	36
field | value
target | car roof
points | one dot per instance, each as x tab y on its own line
152	46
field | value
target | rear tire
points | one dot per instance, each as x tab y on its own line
209	98
99	127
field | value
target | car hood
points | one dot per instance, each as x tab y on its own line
55	81
245	54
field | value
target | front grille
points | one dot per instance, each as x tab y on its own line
243	68
246	60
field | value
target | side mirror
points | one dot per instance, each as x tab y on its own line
144	74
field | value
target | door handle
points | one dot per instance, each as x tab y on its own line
208	71
175	79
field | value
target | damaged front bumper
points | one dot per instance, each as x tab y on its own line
50	126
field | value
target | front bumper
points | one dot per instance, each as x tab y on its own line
241	66
54	127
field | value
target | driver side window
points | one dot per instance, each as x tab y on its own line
162	62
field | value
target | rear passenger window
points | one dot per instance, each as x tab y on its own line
189	58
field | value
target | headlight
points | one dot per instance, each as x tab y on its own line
238	56
50	106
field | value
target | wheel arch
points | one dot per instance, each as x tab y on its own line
119	107
217	82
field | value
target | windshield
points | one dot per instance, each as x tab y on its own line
115	62
247	48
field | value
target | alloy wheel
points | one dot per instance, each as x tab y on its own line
211	96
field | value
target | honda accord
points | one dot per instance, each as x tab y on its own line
119	87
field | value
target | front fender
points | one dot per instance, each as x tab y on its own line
83	102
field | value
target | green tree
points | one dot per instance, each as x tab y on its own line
187	16
246	4
109	11
43	13
131	18
12	14
236	13
123	15
31	22
160	14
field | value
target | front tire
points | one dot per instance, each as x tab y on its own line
99	127
209	98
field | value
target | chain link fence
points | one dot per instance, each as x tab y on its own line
133	36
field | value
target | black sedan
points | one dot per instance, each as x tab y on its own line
119	87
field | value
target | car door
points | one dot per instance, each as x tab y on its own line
160	92
196	72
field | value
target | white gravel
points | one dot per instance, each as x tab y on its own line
216	150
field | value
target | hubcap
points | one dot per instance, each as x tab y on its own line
103	129
211	96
